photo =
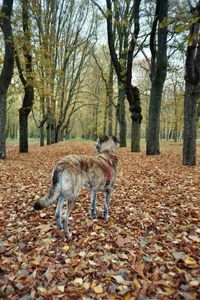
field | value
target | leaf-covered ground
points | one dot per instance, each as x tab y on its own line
149	249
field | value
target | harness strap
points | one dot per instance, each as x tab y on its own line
108	180
108	172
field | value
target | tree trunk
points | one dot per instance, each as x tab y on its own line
122	114
135	136
23	118
27	82
133	97
3	125
110	100
42	136
158	75
48	133
110	119
23	131
189	135
105	116
153	146
7	70
53	134
192	91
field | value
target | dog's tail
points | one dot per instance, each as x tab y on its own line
53	194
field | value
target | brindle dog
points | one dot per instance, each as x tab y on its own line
97	173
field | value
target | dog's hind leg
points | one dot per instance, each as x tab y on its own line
106	204
70	206
93	200
59	212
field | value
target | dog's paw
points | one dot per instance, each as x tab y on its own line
106	217
68	235
93	217
59	225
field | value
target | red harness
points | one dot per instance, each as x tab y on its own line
108	180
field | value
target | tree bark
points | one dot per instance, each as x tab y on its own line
189	136
23	131
110	100
23	118
42	136
105	117
7	70
133	97
158	76
27	102
122	114
192	91
123	65
153	129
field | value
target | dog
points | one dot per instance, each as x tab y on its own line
73	172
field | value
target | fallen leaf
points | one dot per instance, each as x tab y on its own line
86	285
61	288
66	248
189	261
42	290
78	281
121	241
194	238
119	279
194	283
98	289
136	282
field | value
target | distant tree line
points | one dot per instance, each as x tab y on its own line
65	79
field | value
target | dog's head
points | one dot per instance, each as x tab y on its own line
106	143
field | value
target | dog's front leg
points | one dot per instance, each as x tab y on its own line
59	212
93	204
106	204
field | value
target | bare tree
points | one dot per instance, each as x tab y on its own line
26	79
158	71
7	70
64	36
126	16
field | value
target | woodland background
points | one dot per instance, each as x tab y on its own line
71	81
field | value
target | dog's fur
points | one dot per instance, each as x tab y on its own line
76	171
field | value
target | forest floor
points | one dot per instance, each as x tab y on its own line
149	248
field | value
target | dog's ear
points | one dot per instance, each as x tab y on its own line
103	138
115	139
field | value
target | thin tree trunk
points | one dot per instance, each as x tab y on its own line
7	70
110	99
135	136
153	146
110	119
189	135
42	136
27	82
23	131
158	76
122	115
48	134
3	97
105	116
23	118
192	90
133	97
